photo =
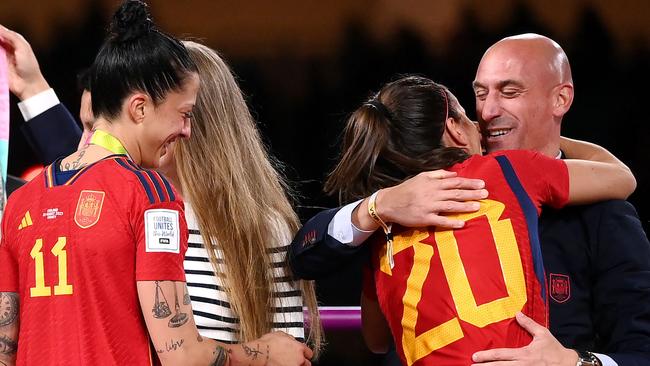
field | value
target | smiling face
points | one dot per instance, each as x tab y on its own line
515	87
169	121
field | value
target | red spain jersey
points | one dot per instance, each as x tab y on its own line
73	251
451	293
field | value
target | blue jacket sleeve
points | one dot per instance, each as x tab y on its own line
52	134
313	253
621	287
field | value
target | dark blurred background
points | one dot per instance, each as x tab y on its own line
304	65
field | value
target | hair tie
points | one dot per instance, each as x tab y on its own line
379	106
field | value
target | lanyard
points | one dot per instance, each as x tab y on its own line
108	142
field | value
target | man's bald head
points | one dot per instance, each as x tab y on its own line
539	49
523	88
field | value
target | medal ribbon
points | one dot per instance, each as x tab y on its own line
108	142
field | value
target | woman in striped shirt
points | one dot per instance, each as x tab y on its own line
240	219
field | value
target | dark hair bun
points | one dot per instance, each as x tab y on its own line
131	21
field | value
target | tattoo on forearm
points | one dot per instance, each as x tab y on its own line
220	356
179	318
252	352
172	345
160	307
186	297
8	308
7	345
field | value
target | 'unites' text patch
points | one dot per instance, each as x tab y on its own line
161	230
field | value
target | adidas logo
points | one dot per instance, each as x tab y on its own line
26	221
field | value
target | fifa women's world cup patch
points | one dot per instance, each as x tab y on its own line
89	208
162	231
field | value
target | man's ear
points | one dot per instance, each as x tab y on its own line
454	135
563	98
137	106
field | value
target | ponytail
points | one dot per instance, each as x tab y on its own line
394	136
365	136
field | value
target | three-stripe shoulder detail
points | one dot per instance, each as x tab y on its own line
157	187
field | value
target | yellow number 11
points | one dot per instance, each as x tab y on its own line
62	288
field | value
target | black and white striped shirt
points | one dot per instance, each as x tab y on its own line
210	304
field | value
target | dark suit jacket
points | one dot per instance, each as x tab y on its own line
603	254
597	261
52	134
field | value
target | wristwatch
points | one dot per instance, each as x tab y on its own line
587	359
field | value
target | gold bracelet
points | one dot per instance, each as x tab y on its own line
372	211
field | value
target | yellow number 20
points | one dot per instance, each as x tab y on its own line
62	288
416	347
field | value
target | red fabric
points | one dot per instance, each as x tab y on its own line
100	323
546	182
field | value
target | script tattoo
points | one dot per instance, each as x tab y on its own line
8	308
172	345
76	164
220	356
252	352
7	345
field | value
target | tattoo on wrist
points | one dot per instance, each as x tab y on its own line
220	356
7	345
252	352
8	308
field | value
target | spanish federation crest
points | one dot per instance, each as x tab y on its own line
89	208
560	287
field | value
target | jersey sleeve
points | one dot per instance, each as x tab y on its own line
544	178
161	242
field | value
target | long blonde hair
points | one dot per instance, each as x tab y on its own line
239	198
